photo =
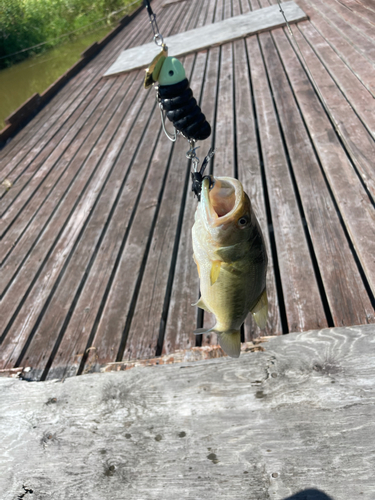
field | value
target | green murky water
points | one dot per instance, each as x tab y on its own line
36	74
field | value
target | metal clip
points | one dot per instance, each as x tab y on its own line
197	176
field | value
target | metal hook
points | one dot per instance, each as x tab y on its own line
173	137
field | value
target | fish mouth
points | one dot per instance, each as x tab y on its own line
223	201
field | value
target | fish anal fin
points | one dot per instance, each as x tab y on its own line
202	331
202	305
215	271
230	342
260	310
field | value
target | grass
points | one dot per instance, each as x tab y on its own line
28	23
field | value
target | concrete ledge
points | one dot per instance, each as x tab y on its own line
294	421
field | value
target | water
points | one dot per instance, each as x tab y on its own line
36	74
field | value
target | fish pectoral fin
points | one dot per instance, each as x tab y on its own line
202	305
260	310
215	271
230	342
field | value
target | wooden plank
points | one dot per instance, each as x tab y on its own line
37	277
351	198
101	231
357	8
148	321
347	297
358	142
354	91
113	322
363	69
139	193
36	173
182	316
358	23
250	428
30	225
304	308
249	172
208	36
223	161
361	43
369	4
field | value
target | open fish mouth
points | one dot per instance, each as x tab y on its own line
223	201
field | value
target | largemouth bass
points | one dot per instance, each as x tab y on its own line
231	258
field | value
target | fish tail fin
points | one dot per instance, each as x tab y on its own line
230	342
260	310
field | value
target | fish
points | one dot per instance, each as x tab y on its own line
231	260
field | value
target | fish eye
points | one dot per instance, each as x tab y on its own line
171	73
242	221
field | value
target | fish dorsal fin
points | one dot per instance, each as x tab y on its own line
202	305
260	310
230	343
215	271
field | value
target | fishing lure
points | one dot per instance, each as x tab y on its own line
176	97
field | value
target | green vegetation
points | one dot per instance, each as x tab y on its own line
26	23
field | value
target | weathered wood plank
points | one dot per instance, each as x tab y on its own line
182	316
208	36
143	176
101	231
354	91
360	24
363	69
346	294
304	308
148	324
37	278
319	9
28	189
353	201
249	172
61	197
294	421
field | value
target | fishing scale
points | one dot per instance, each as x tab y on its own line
175	99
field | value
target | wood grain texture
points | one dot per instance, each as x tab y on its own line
289	423
356	208
304	308
249	173
208	36
346	294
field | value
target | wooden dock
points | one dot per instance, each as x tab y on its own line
95	248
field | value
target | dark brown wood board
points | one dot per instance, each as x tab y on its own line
53	261
356	208
303	304
362	68
347	297
249	173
